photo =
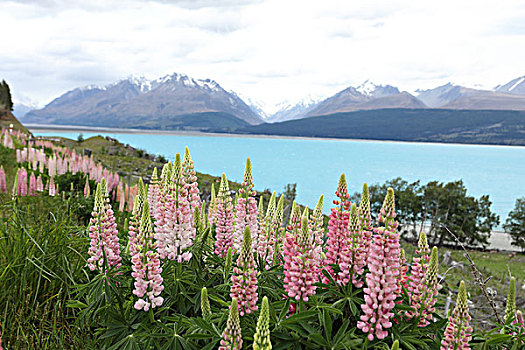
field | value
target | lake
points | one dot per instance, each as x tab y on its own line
316	164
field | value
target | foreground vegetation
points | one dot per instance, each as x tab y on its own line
72	291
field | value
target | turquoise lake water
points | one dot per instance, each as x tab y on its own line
315	165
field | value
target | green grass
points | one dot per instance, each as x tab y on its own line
42	248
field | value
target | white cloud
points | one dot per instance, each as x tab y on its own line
269	50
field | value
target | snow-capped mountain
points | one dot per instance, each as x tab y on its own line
167	102
453	96
366	96
515	87
288	110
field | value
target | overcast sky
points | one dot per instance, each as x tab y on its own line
269	50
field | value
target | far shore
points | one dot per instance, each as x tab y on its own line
47	128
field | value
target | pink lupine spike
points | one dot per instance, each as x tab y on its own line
39	184
174	229
277	231
232	337
338	245
135	219
87	190
425	306
154	194
420	264
265	239
246	210
3	184
403	270
190	178
22	182
458	332
224	219
366	219
300	263
381	282
104	248
51	187
32	185
317	228
146	264
357	255
244	278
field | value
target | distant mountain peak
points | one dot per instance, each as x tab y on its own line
370	89
515	86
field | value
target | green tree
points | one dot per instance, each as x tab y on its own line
6	101
436	207
515	224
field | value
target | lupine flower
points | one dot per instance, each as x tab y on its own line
338	244
22	182
205	303
39	184
135	220
224	219
420	264
365	219
154	194
403	269
246	210
3	184
261	338
87	190
146	265
190	179
228	261
358	257
458	332
104	250
52	188
265	239
232	337
430	288
300	263
277	230
32	185
212	209
174	229
381	281
510	308
244	279
395	345
317	229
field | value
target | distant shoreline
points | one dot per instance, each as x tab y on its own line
48	128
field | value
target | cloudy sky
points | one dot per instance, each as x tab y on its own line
269	50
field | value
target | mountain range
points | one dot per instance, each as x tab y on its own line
172	102
179	102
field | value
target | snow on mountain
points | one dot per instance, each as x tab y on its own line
515	87
137	101
290	110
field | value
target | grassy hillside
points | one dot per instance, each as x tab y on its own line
7	118
431	125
